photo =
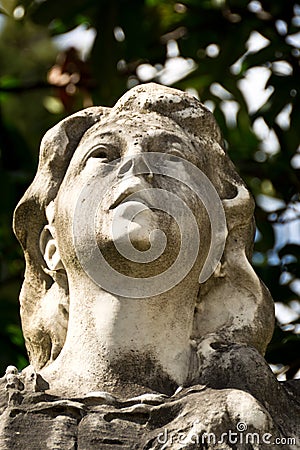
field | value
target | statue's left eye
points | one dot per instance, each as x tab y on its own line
175	155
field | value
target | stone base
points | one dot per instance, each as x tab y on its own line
195	418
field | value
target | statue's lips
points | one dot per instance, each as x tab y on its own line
131	202
128	197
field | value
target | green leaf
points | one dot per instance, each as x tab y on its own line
7	6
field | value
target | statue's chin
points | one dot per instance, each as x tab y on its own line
136	229
139	237
137	240
134	224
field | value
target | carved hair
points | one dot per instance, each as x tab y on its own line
234	297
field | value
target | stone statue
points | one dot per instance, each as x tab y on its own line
144	321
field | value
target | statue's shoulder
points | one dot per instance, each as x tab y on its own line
3	395
15	386
28	415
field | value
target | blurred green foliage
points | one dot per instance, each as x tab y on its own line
40	84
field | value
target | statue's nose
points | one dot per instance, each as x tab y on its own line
135	165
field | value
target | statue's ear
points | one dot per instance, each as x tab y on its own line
49	250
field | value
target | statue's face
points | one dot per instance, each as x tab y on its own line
112	157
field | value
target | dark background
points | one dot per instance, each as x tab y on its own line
40	84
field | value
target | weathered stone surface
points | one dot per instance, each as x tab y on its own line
195	417
144	321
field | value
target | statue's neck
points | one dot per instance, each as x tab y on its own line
124	345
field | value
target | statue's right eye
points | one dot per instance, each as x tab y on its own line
100	152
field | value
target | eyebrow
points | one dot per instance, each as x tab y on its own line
157	133
97	135
169	137
94	139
